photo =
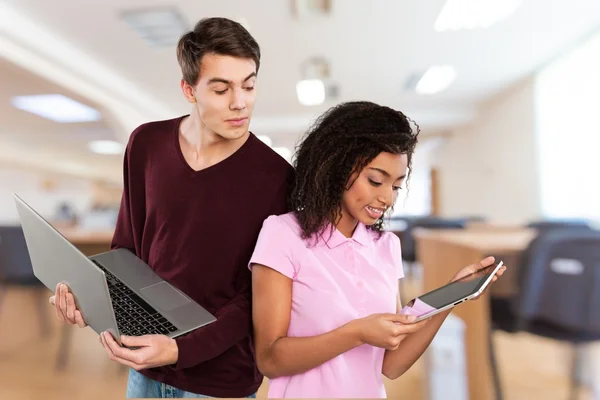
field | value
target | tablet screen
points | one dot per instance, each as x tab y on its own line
450	293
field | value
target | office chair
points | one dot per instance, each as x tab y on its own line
559	294
546	224
409	253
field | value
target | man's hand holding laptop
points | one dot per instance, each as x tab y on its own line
150	350
64	305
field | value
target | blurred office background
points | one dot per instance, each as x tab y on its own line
506	94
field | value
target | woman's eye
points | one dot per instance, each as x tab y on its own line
220	91
374	183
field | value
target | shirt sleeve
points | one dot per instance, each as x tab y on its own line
396	251
274	247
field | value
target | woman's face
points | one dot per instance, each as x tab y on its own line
375	188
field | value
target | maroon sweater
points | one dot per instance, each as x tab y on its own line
197	230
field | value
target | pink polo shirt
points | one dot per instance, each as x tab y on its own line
338	280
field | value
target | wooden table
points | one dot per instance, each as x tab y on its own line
443	252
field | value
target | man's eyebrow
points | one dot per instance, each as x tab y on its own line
227	82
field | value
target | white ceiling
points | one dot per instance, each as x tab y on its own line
373	48
31	141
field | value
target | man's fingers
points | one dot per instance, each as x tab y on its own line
106	346
71	307
121	352
109	343
65	307
104	339
79	319
55	301
136	341
62	300
59	315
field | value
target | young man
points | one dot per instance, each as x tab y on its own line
197	190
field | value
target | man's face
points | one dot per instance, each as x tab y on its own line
224	94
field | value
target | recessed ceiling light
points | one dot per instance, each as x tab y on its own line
436	79
109	147
472	14
56	107
310	92
157	26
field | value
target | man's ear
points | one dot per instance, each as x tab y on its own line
188	91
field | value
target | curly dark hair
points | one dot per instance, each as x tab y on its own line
340	143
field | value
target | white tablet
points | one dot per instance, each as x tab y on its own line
451	294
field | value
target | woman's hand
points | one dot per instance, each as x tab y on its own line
478	267
387	330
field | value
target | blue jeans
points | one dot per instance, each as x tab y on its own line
139	385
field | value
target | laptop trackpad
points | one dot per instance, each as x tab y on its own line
164	296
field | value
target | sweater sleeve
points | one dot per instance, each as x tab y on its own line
130	220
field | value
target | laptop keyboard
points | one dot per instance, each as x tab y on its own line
135	317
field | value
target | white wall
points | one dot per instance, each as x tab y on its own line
415	197
44	198
567	99
490	168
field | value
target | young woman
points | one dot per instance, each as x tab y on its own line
325	277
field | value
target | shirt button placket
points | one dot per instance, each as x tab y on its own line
359	283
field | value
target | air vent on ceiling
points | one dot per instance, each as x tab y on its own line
159	27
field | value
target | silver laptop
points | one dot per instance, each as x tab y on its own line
115	291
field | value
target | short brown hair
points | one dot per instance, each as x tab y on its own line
214	36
